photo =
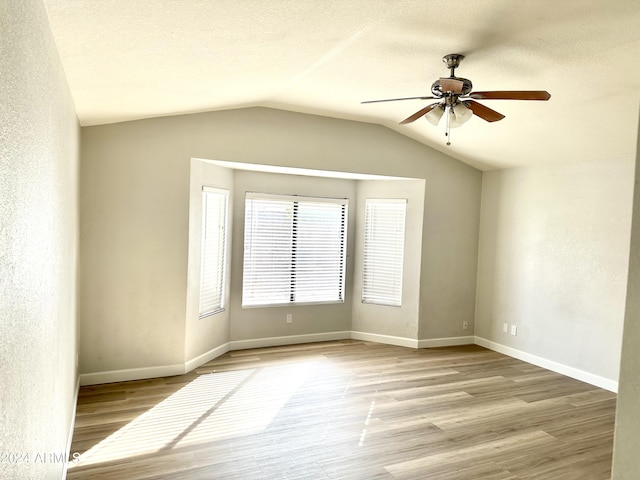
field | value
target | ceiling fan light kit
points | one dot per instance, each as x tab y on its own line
456	99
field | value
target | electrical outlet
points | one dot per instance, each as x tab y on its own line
514	330
289	318
465	325
505	327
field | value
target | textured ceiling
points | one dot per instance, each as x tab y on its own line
131	59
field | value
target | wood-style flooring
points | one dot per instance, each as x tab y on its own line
347	410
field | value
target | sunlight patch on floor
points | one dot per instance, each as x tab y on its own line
212	407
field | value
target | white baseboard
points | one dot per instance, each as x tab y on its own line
387	339
178	369
72	427
288	340
131	374
128	374
572	372
205	357
446	342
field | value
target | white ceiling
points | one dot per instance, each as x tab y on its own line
131	59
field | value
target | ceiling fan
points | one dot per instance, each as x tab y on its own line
458	101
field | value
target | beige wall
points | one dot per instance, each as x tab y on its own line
626	461
38	245
449	250
400	321
257	323
134	220
204	335
554	249
135	190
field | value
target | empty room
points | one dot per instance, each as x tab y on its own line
306	240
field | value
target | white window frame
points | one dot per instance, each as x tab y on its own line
278	268
383	262
213	252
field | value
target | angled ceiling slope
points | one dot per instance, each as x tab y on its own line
128	60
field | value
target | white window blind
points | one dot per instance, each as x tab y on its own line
383	251
294	250
213	253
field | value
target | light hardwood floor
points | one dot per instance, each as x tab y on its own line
347	410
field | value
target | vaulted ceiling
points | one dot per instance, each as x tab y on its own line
132	59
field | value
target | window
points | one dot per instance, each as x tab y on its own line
214	248
294	250
383	251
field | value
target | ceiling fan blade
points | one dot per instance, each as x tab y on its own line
512	95
396	99
483	112
419	113
451	85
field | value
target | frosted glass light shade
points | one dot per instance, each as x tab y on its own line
462	112
433	117
458	115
